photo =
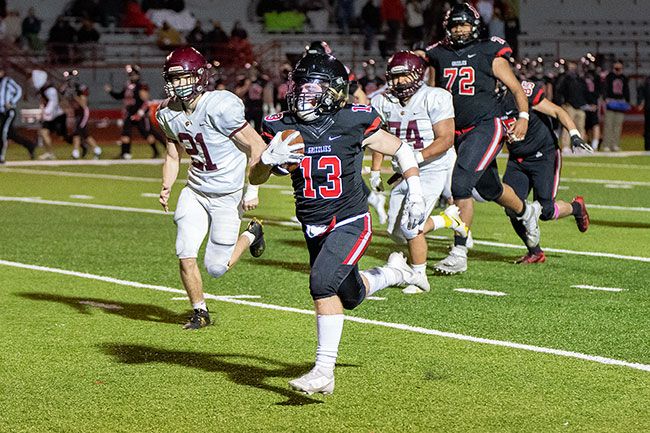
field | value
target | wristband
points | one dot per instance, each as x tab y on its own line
251	192
419	158
574	132
524	115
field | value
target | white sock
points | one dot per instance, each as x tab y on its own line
200	306
97	151
420	269
330	329
380	278
438	222
250	236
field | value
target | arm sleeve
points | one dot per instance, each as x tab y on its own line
226	114
440	105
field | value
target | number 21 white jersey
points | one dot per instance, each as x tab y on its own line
218	166
413	123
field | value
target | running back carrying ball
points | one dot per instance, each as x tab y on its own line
285	169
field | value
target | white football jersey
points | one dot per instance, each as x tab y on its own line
413	123
218	166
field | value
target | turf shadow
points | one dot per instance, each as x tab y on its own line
237	372
302	268
622	224
85	305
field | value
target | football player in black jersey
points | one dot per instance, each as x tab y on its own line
535	163
468	68
331	198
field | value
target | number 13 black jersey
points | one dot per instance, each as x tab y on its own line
328	182
466	72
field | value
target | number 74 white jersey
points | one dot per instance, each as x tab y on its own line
218	166
413	122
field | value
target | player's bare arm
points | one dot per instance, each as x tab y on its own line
553	110
250	142
444	133
170	170
375	173
502	71
387	144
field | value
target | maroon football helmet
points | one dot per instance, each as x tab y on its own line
405	64
185	73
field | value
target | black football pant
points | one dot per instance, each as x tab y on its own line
333	257
8	132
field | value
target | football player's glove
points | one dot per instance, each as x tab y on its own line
375	181
578	143
281	152
414	211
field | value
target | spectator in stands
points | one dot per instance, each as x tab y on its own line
485	8
196	37
371	22
238	31
344	14
392	12
414	31
644	104
168	37
497	26
592	119
31	27
87	32
251	88
318	14
241	52
616	91
90	9
572	90
217	35
134	17
59	42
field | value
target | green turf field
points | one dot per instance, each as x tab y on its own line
82	354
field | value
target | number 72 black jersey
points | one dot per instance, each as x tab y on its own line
466	72
328	182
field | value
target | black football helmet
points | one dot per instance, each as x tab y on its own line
318	47
318	85
461	14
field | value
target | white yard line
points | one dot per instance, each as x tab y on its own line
623	208
90	162
109	176
481	292
604	181
295	224
400	326
604	289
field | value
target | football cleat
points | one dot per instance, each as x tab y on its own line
316	381
582	220
457	225
199	319
531	258
530	219
397	261
258	246
454	263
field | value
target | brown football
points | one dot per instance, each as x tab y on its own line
284	169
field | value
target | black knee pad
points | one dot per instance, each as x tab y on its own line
490	191
548	210
320	285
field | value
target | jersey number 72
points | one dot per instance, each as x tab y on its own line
466	81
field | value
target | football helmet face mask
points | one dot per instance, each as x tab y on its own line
459	15
318	85
405	74
186	74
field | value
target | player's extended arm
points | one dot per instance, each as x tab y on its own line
375	174
444	133
553	110
169	172
388	144
250	142
502	71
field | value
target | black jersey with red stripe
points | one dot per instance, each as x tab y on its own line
540	134
328	182
467	73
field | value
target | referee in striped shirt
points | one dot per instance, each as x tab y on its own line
10	94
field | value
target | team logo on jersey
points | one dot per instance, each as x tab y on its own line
359	107
274	117
528	87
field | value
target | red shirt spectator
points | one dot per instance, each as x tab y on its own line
134	17
392	10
